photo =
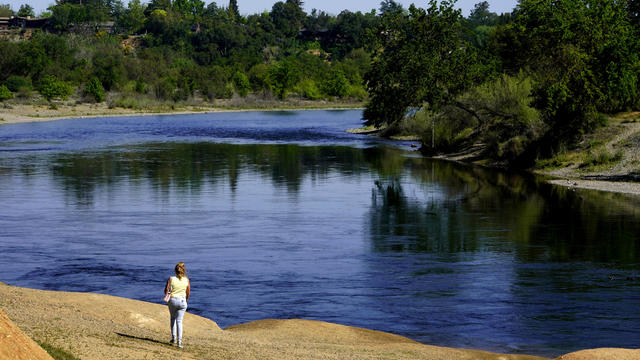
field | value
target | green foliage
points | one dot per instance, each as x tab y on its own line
336	84
132	19
51	88
241	83
18	83
217	84
425	42
26	10
66	14
481	16
435	130
259	78
5	10
188	8
504	103
165	89
603	157
141	87
108	64
5	93
357	92
497	113
308	89
94	89
234	12
282	77
219	50
585	54
287	17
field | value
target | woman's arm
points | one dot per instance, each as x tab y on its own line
166	287
188	288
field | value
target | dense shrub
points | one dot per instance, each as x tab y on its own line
95	90
241	83
165	88
5	93
51	88
308	89
17	83
336	84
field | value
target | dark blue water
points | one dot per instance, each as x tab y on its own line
285	215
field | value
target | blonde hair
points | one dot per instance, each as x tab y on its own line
180	270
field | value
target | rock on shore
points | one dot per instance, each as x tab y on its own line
14	344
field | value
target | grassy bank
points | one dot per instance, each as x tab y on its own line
608	159
611	152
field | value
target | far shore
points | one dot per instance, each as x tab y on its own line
24	113
21	113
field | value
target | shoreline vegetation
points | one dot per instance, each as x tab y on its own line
74	325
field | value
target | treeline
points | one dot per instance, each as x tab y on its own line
525	84
174	50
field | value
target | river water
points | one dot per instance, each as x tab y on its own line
285	215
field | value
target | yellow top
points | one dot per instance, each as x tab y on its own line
179	287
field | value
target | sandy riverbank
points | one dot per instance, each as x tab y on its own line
21	113
94	326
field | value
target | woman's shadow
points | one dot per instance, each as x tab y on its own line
142	338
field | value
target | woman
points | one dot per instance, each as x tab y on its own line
179	288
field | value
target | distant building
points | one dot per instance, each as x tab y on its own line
16	22
4	23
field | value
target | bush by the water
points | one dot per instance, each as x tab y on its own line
95	90
51	88
5	93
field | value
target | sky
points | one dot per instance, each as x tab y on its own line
334	7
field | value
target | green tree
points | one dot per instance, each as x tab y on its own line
94	89
423	60
390	7
132	20
17	83
480	15
26	10
282	77
288	17
5	10
51	88
5	93
585	55
336	84
188	8
234	12
259	78
108	64
241	83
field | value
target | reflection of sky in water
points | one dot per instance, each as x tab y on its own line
360	235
